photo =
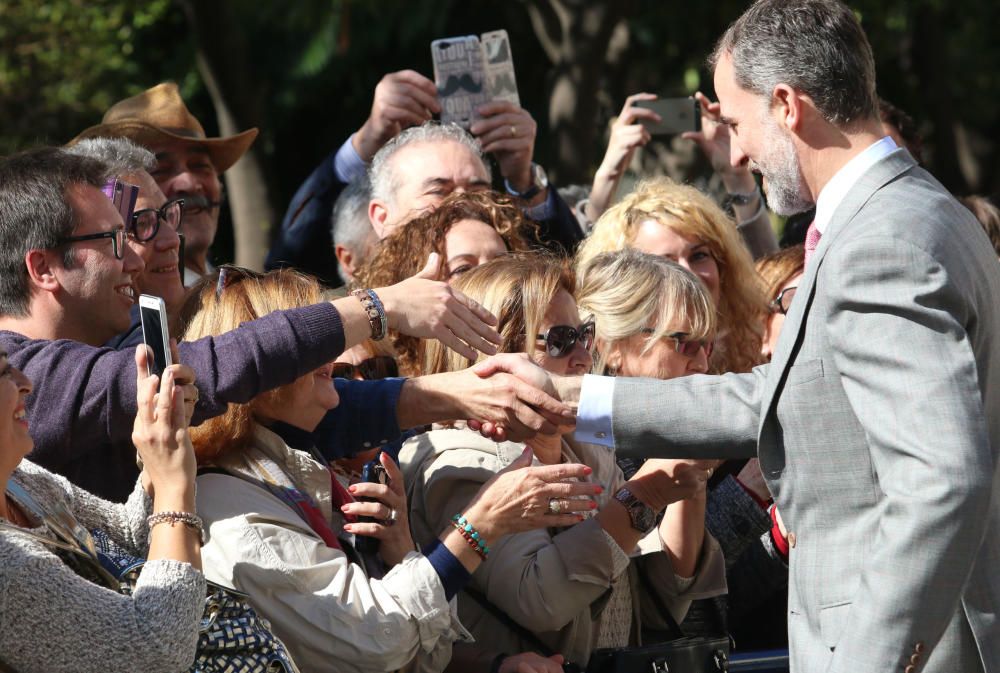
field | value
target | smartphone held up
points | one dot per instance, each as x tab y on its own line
153	316
677	115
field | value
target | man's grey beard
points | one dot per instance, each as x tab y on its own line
786	189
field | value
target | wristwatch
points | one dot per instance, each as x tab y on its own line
643	518
539	181
738	199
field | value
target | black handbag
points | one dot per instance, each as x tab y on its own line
679	654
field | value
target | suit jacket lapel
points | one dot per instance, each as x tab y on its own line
886	170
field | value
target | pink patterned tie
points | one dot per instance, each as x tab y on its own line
812	240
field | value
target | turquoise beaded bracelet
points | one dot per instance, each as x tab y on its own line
471	535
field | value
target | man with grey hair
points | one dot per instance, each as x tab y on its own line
440	157
877	421
350	229
153	231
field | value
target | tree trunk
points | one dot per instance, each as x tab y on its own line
238	99
575	35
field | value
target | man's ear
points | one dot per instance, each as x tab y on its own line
789	105
345	257
378	213
41	273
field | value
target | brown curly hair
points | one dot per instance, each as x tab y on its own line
404	252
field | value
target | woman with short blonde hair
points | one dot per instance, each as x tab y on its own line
679	222
575	587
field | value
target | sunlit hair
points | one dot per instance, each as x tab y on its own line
517	289
689	212
212	310
780	267
626	291
404	252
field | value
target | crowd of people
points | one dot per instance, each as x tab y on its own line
462	424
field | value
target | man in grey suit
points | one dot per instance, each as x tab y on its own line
877	422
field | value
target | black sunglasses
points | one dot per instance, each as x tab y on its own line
684	345
783	302
117	236
560	339
146	222
371	369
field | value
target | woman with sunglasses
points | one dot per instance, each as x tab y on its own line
680	223
654	319
555	583
781	272
283	529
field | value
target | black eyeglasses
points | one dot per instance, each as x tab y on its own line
685	345
783	302
230	274
371	369
146	222
117	236
560	339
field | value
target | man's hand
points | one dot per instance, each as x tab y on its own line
426	308
503	406
508	132
402	99
519	365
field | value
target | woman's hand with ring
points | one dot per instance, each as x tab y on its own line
519	498
386	503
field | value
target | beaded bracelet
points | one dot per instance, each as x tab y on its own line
471	535
376	313
190	520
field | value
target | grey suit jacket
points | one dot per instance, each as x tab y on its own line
877	424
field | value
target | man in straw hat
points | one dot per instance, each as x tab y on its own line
188	163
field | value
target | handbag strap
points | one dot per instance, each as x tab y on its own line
534	641
675	629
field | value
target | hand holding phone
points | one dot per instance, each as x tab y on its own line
677	115
373	473
153	316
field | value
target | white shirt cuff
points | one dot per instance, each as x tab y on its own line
347	164
593	416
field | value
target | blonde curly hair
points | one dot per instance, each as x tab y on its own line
688	212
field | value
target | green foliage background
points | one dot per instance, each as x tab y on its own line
315	63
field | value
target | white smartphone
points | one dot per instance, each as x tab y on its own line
153	314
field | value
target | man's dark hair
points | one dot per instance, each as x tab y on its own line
815	46
902	122
35	213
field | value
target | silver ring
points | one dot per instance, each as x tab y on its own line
513	131
555	507
391	521
711	471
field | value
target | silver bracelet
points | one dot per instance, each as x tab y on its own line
190	520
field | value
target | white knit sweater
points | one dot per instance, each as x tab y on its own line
53	620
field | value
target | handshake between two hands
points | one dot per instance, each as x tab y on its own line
510	398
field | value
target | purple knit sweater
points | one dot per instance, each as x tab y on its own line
83	406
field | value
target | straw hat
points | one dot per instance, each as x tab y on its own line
159	114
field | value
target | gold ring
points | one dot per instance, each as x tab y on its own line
513	131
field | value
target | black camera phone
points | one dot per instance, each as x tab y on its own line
373	473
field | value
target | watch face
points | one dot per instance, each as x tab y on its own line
643	518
